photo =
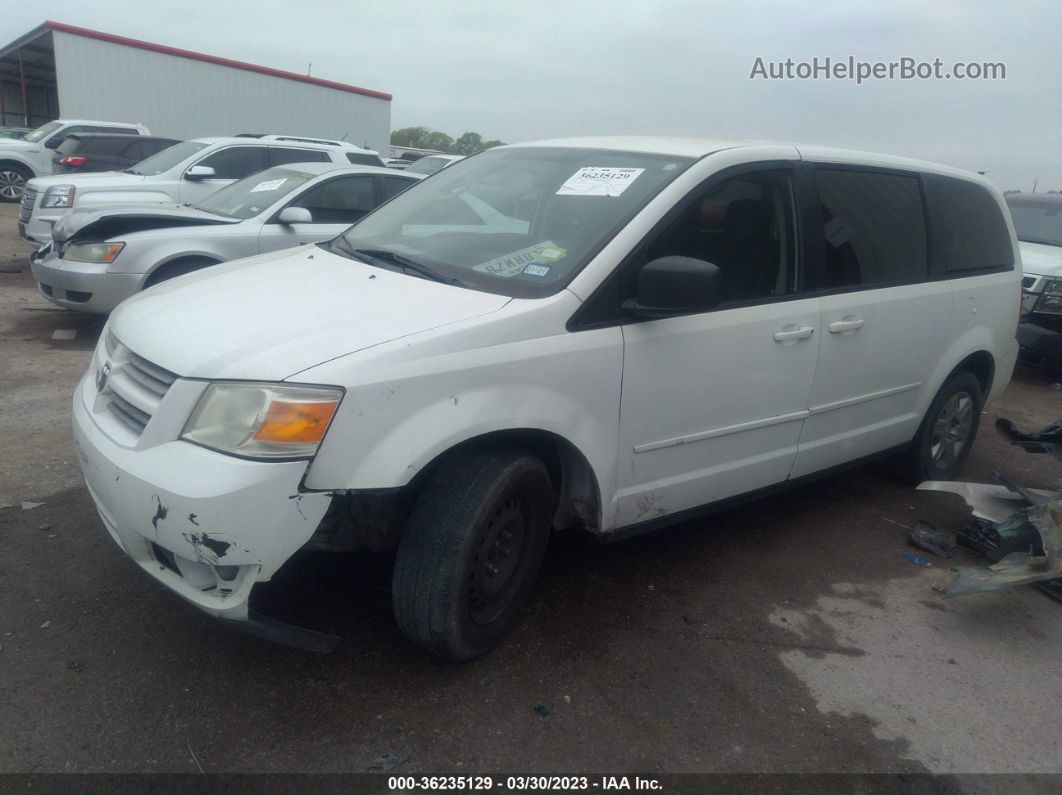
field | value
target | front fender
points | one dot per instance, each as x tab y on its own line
387	431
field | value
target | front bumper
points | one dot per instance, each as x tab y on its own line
206	525
84	286
1040	346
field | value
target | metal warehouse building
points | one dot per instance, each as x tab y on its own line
62	71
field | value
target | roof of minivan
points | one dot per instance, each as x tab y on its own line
700	147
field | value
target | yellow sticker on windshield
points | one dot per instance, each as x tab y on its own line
513	264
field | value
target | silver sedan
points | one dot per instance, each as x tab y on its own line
98	257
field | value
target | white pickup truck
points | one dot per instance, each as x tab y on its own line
31	156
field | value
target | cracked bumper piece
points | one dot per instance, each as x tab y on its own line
205	525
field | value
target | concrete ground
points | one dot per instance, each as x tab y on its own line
788	635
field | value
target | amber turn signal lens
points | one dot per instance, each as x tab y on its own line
296	423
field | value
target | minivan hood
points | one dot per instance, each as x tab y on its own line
104	223
272	316
1041	260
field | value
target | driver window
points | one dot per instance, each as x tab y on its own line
745	227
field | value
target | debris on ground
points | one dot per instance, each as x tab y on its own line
46	624
918	561
387	762
1020	528
64	334
29	506
543	711
924	536
75	665
1048	440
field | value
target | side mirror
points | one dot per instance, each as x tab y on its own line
54	142
295	215
199	172
674	286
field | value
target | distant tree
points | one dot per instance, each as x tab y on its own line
492	144
439	140
411	136
468	144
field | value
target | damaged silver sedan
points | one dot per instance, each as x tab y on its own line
99	257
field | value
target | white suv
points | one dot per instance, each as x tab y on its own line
23	158
612	334
185	173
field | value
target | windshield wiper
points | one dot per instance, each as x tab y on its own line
393	259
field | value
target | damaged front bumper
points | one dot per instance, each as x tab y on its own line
206	525
84	286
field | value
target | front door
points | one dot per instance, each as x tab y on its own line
713	404
333	205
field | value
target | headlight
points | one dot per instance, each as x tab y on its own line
92	252
262	420
1050	301
59	196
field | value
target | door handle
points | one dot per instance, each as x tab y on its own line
801	333
841	326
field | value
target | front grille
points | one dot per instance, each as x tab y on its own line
153	378
25	210
134	386
128	414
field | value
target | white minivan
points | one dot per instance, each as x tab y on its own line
607	333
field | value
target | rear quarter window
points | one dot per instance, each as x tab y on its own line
967	230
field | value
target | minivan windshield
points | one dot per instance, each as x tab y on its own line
42	132
519	221
166	159
252	194
1037	221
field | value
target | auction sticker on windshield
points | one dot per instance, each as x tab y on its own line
596	181
269	184
515	263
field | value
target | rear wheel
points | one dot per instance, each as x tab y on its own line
13	180
947	432
471	551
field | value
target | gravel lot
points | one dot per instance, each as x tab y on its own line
786	635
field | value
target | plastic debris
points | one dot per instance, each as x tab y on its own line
387	762
64	334
924	536
543	711
1047	440
918	561
46	624
29	506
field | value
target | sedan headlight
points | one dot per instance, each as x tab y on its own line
1050	301
262	420
92	252
59	196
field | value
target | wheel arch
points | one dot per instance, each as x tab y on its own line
178	258
7	160
578	491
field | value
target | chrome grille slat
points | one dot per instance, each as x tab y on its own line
152	371
153	385
129	414
25	210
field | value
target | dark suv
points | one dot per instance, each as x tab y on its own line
82	152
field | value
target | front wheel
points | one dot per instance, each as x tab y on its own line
947	432
471	551
13	182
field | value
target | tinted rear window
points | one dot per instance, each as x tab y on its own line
874	226
967	227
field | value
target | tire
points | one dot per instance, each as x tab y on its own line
947	432
13	180
455	591
171	270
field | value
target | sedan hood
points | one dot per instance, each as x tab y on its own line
104	223
272	316
1040	260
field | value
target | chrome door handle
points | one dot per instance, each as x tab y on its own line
801	333
841	326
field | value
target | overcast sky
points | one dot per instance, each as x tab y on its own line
520	71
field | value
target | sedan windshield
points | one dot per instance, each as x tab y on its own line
519	221
42	132
166	159
253	194
1037	221
428	165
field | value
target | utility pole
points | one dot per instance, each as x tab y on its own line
1035	183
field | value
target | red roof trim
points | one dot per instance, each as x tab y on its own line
198	56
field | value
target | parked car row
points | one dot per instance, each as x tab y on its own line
606	334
